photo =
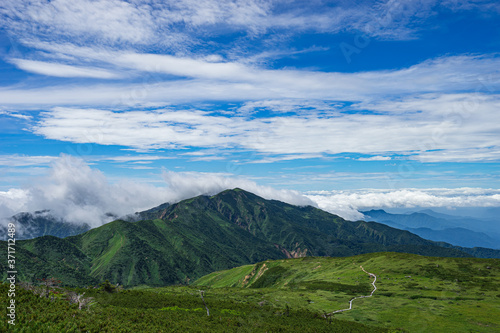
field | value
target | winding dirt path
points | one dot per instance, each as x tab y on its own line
350	302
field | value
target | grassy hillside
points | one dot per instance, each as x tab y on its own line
172	309
417	293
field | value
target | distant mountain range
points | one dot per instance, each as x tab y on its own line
180	242
41	223
460	231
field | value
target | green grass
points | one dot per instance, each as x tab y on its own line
415	293
115	244
170	309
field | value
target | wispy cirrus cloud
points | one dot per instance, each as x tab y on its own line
175	32
61	70
106	20
311	113
17	160
147	22
199	80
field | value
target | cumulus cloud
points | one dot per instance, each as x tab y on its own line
78	193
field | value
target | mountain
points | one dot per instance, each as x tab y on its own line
440	215
41	223
441	227
412	220
485	220
181	242
457	236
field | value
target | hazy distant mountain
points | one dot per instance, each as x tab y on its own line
412	220
492	213
457	236
41	223
186	240
439	215
487	220
440	227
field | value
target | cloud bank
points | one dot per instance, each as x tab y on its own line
348	203
80	194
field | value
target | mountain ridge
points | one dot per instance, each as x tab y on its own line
183	241
459	231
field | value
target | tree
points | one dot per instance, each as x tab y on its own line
107	287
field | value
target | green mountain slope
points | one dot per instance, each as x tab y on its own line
186	240
416	293
49	256
300	231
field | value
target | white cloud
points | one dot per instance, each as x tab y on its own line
15	115
16	160
61	70
78	193
375	158
133	158
349	203
146	22
232	81
190	184
487	154
106	20
429	130
12	201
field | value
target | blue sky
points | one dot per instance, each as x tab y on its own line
323	96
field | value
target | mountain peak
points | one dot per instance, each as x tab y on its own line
374	211
235	190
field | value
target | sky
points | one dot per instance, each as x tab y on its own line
117	106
